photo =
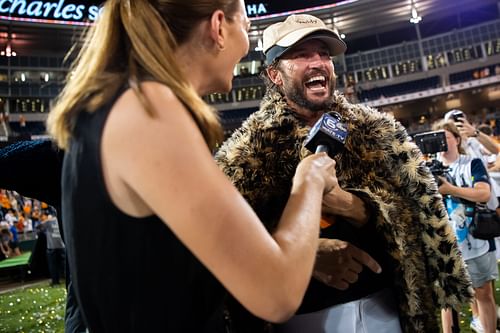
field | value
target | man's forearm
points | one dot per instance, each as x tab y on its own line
347	205
487	142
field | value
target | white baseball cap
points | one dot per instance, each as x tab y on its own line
280	37
454	113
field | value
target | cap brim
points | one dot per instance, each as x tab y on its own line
334	43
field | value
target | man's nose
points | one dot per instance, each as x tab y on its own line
317	60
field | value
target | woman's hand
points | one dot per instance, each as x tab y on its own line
318	168
446	187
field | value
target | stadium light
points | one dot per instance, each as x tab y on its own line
8	52
415	18
259	45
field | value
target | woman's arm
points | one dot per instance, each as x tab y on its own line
480	190
168	170
479	193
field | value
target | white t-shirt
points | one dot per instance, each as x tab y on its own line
464	176
475	149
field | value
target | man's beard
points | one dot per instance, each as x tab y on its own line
295	93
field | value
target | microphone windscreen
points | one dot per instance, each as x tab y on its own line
328	131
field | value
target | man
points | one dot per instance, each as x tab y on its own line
477	143
56	256
386	204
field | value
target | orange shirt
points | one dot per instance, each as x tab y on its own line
27	209
5	202
20	224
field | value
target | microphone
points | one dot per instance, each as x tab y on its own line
327	135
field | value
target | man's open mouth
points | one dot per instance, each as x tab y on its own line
316	82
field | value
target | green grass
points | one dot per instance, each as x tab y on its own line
466	314
39	308
465	317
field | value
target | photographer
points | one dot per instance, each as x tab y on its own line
467	184
475	141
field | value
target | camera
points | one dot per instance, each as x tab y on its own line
456	115
429	144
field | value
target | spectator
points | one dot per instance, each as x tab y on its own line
4	202
13	230
9	247
350	92
19	224
22	121
474	138
485	72
492	158
488	156
10	217
28	224
497	69
55	247
35	216
469	181
476	144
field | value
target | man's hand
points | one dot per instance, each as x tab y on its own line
339	263
465	128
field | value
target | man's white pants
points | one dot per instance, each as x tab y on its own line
376	313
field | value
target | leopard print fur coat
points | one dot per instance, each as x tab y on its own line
378	161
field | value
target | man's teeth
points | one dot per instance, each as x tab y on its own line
316	78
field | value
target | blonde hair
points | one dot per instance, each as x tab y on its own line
133	40
450	126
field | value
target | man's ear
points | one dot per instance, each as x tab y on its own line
217	31
274	75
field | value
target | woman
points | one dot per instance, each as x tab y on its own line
468	180
148	216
